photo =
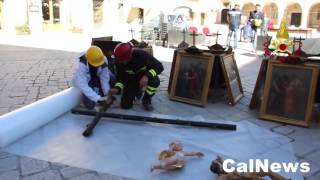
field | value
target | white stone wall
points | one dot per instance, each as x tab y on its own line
14	13
81	12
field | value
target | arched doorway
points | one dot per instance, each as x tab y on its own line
98	12
246	8
271	11
293	15
224	11
314	16
51	15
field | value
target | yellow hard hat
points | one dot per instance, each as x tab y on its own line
95	56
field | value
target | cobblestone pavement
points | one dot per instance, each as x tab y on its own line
16	167
29	74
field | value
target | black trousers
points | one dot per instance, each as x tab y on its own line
132	90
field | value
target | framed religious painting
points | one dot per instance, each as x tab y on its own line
191	78
173	64
255	101
232	78
261	41
289	93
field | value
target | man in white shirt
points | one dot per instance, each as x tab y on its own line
93	77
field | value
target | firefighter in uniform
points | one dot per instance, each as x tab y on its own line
137	70
92	77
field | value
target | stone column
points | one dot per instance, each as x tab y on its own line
82	14
119	28
111	18
305	14
65	15
14	13
35	16
1	15
281	9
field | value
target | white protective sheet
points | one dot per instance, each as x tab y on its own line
128	149
311	46
23	121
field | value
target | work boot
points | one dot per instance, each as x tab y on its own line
146	102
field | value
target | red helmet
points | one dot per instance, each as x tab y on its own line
123	52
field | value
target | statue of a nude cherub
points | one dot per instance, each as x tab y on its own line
173	158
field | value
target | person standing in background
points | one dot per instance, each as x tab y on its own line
234	19
256	17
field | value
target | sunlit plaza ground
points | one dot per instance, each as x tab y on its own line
36	66
42	63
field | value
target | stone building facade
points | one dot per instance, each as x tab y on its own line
110	15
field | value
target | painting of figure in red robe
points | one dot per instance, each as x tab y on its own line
192	78
290	91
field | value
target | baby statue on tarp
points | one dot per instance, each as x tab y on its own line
216	167
173	158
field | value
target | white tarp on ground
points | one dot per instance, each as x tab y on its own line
128	149
25	120
311	46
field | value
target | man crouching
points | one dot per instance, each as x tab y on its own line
92	77
137	71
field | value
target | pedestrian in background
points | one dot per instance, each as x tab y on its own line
256	17
234	19
247	31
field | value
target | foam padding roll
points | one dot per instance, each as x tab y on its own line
23	121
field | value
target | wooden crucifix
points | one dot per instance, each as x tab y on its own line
193	48
141	38
183	44
184	35
217	34
131	30
194	38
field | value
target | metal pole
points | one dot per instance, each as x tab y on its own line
97	118
156	120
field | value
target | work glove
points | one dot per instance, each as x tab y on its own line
103	101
